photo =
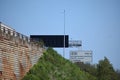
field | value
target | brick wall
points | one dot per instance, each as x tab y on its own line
17	54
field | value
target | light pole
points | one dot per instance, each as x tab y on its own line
64	37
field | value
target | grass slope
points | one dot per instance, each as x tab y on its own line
52	66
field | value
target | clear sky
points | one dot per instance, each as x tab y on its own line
95	22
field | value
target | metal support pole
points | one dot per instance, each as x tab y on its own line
64	36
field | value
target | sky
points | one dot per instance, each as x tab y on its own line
95	22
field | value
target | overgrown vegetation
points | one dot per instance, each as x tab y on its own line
91	69
52	66
102	71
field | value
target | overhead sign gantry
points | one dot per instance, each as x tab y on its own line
75	43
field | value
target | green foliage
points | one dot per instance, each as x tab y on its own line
52	66
118	74
91	69
31	77
105	70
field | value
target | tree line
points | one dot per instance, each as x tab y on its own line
102	71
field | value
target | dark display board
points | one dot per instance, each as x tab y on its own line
55	41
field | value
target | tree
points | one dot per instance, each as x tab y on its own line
30	77
105	70
91	69
52	66
118	74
